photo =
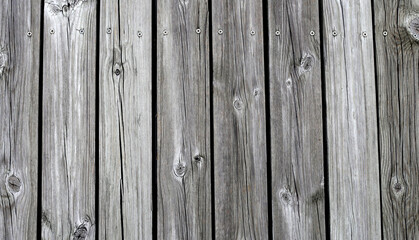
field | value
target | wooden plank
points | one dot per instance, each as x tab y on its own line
396	23
125	135
296	120
19	92
183	155
240	158
351	120
68	124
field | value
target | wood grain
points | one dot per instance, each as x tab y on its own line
125	134
240	158
183	107
19	92
351	120
296	120
397	55
68	123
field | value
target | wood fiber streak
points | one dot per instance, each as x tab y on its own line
68	123
19	90
240	154
398	98
125	145
183	108
351	120
296	120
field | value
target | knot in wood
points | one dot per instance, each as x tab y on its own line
256	92
306	63
288	82
198	158
397	187
81	232
238	104
65	9
413	27
14	183
285	196
180	169
4	61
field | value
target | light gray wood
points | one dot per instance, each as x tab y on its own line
125	134
68	120
19	92
240	158
396	23
183	109
351	120
298	210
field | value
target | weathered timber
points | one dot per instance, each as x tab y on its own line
353	166
125	134
68	120
240	153
183	109
19	91
298	210
397	56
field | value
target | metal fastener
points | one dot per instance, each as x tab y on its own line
277	33
252	32
139	34
29	34
198	31
109	30
385	33
220	31
165	32
51	31
334	33
312	33
364	34
81	31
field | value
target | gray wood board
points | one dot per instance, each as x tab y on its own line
351	120
68	120
19	93
298	210
183	109
397	54
240	153
125	134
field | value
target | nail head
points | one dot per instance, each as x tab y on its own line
277	33
165	32
220	31
82	31
385	33
334	33
252	32
198	31
139	34
51	31
29	34
364	34
109	30
312	33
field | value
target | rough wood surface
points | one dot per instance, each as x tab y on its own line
125	141
183	109
19	91
396	24
68	123
296	120
240	158
351	120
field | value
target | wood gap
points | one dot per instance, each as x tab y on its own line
265	13
40	100
211	79
324	119
97	121
154	118
378	114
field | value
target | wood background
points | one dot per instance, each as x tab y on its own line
250	119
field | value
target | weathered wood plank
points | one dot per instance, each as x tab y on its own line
19	92
351	120
125	135
296	120
240	158
183	158
68	124
396	23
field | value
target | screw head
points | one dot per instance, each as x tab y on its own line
109	30
29	34
385	33
220	31
277	33
364	34
52	31
252	32
165	32
139	34
198	31
334	33
312	33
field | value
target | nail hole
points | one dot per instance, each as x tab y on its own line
165	32
51	31
29	34
109	30
117	72
139	34
364	34
81	31
334	33
252	32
